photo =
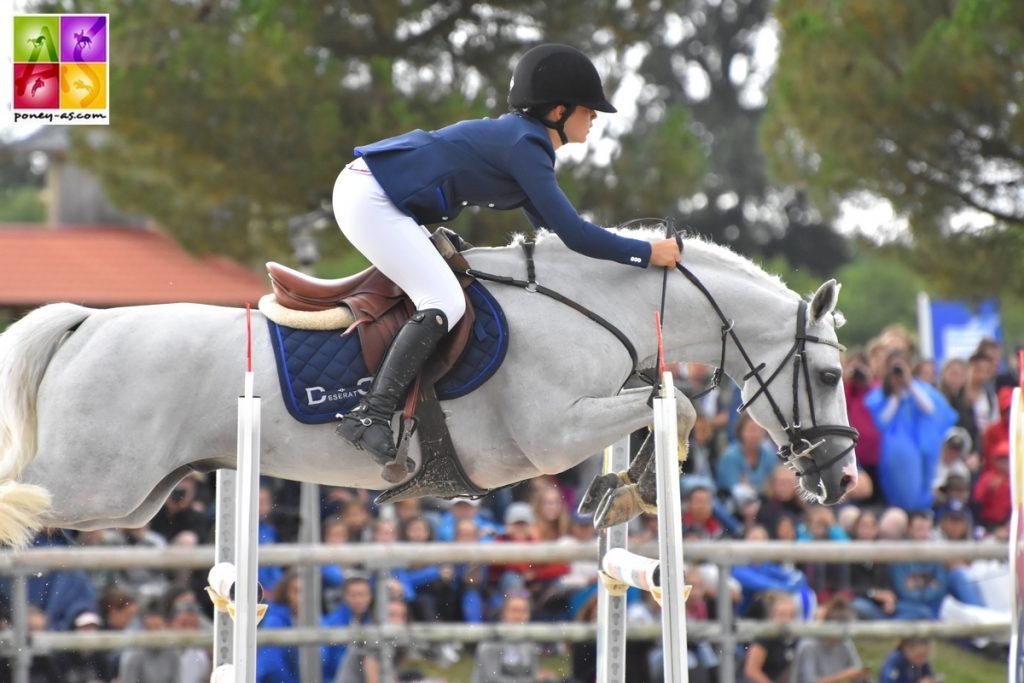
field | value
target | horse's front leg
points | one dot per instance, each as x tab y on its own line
617	497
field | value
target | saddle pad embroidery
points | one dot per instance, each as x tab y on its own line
322	372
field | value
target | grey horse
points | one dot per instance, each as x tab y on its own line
103	411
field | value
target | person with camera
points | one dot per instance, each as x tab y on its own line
912	417
181	521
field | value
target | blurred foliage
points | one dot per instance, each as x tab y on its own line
918	103
21	204
19	191
877	290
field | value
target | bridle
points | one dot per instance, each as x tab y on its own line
802	441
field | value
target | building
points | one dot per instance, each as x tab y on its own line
90	253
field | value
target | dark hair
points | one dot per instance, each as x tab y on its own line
912	640
113	598
352	580
535	111
864	513
919	514
979	356
154	608
838	608
280	593
403	533
985	344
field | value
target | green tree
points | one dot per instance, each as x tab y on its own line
878	290
917	103
21	204
707	57
20	186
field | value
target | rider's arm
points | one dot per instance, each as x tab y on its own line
547	207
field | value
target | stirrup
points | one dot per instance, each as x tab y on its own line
399	468
394	469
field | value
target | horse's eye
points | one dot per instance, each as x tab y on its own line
830	377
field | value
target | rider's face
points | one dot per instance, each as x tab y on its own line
578	126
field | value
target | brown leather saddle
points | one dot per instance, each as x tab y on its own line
380	308
378	305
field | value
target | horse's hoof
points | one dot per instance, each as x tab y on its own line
394	472
598	489
617	507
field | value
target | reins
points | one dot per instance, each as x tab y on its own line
801	441
531	285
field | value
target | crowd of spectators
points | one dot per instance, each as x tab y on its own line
933	457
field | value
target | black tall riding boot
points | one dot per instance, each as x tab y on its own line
368	425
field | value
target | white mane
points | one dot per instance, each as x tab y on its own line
697	248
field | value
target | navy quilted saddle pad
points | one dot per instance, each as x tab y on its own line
322	373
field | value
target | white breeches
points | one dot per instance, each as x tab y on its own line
395	243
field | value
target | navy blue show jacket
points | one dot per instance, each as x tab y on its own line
504	163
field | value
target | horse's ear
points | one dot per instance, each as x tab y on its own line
824	300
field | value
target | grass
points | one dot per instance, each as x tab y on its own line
956	664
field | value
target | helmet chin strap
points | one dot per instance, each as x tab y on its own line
559	125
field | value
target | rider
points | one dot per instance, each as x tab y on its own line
383	199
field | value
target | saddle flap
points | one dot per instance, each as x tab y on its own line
295	289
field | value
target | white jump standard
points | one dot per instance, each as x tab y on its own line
664	578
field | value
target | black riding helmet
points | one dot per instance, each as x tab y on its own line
555	74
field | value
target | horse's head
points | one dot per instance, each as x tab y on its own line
798	398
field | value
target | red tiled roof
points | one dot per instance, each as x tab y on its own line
106	266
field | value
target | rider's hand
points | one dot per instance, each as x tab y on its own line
665	253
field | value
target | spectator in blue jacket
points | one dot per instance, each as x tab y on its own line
280	664
383	199
60	595
466	508
908	663
750	459
919	586
913	418
267	534
357	599
755	579
334	532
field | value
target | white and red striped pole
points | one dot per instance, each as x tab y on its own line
247	520
670	525
243	575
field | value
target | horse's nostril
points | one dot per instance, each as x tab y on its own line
846	483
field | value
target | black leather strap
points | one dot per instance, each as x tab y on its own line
531	267
541	289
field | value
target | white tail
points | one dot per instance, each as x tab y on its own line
25	352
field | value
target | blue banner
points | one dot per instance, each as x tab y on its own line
957	327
